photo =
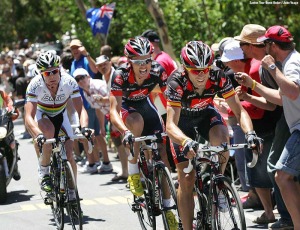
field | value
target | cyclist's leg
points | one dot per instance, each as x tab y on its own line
218	134
48	129
135	123
68	131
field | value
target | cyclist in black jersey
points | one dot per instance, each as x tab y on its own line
190	93
131	110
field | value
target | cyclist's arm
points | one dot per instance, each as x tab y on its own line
83	116
173	131
30	123
240	113
115	108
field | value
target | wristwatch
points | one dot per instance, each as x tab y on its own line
272	66
88	54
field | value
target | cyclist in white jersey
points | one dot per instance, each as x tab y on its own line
45	113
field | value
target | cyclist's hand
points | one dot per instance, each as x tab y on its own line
127	139
190	148
87	132
254	141
40	140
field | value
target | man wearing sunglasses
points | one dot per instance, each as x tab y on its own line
190	93
45	114
130	88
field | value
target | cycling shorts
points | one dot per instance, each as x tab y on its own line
205	120
153	122
61	123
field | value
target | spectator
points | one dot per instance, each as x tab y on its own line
94	88
250	47
105	67
82	59
258	177
280	48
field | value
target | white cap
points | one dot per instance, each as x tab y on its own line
80	72
101	59
232	51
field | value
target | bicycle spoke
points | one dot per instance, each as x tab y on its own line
229	214
143	206
167	192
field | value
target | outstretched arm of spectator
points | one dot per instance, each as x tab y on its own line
92	63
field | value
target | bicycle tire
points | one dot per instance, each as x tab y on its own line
200	205
73	207
163	172
144	207
57	204
233	217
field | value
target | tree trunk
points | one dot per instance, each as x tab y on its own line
158	16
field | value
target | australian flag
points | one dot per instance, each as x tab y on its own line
99	18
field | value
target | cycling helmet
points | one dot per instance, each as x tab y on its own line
196	54
47	60
138	46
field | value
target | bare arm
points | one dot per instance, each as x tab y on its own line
173	131
91	61
287	87
259	102
83	116
271	95
240	113
115	108
30	123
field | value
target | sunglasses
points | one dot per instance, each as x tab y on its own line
51	72
142	62
196	71
79	78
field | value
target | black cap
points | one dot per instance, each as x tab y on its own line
151	35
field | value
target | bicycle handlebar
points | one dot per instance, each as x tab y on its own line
221	148
75	137
144	138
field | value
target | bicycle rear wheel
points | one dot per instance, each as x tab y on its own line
73	206
230	215
170	213
57	198
144	207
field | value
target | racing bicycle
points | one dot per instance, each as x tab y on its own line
154	175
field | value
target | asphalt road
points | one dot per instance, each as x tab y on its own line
106	205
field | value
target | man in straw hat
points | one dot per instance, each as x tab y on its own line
280	48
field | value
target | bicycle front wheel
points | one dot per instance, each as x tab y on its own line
144	206
57	198
73	206
168	199
226	208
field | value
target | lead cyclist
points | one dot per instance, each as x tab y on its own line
45	112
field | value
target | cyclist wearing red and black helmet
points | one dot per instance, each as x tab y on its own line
131	85
190	93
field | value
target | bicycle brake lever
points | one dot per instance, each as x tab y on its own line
189	168
254	160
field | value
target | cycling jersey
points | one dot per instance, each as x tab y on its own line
123	82
180	91
38	92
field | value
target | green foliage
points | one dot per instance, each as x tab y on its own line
206	20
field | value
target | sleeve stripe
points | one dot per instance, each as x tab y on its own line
228	94
174	103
